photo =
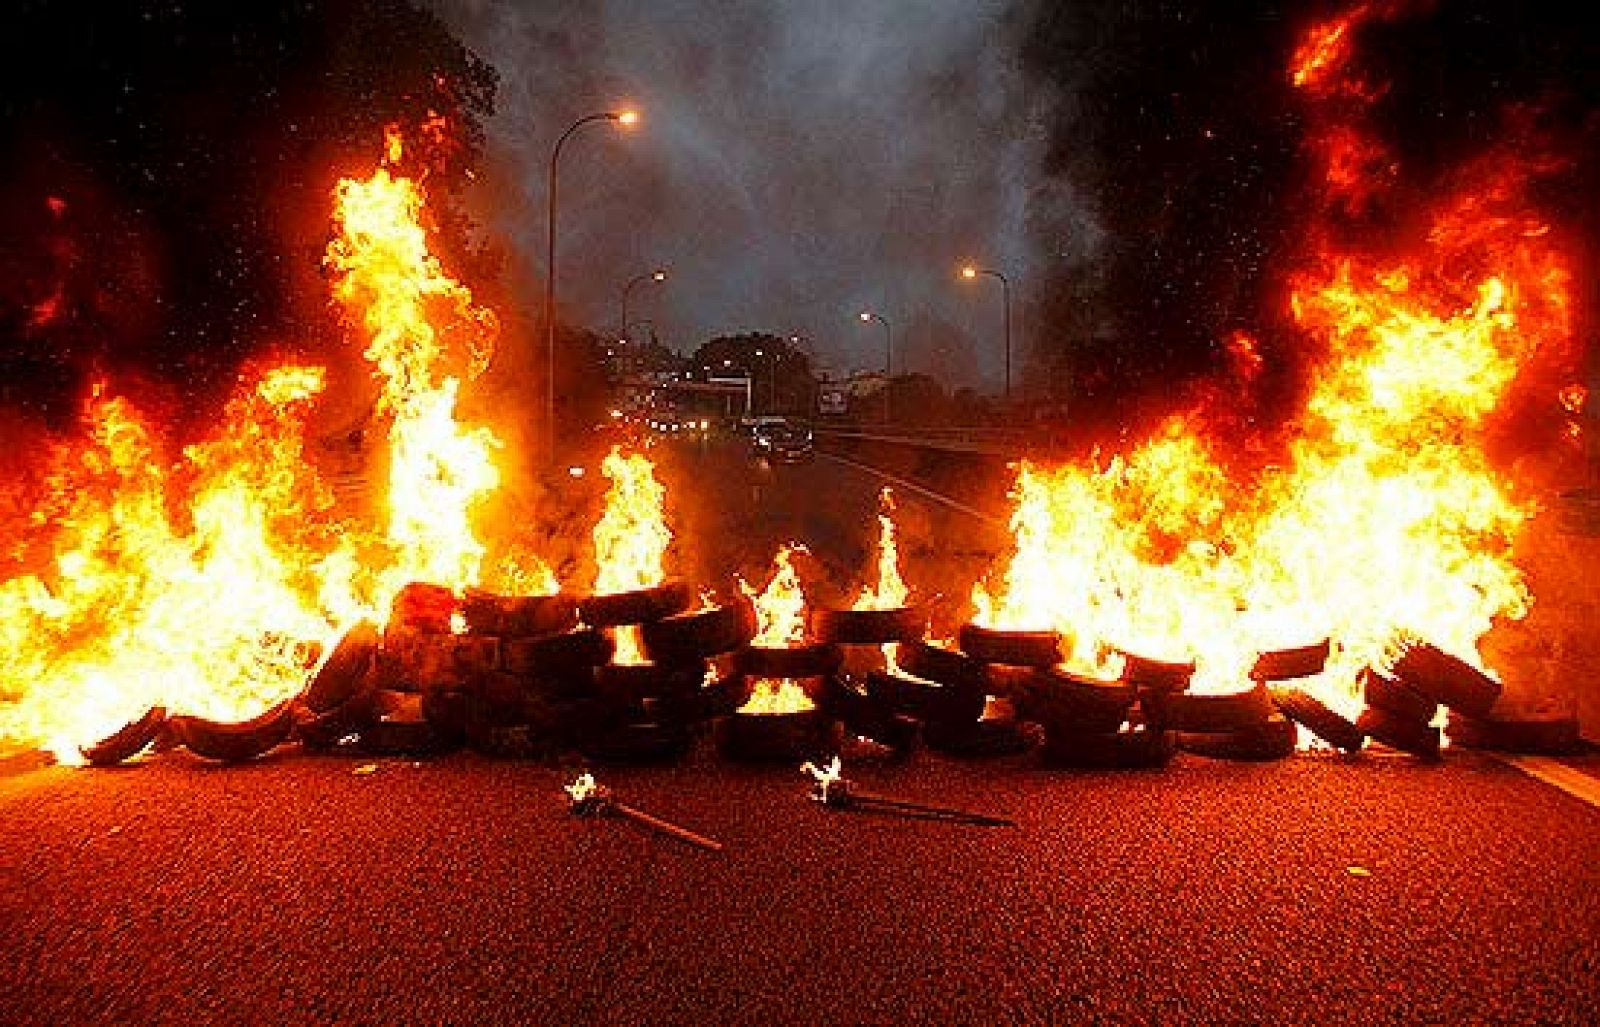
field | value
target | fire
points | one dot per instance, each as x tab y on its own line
890	591
1384	518
631	537
206	579
1574	398
781	623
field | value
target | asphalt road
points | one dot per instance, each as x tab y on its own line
315	889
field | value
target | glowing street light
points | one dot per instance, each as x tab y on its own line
657	275
626	118
970	272
888	357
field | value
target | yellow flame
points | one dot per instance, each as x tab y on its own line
890	591
781	623
631	537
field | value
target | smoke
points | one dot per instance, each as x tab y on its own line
796	163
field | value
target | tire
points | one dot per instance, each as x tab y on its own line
403	738
557	656
1551	735
1315	716
424	607
1017	648
1395	697
1137	749
345	669
1156	675
980	738
1287	664
944	666
640	606
637	743
777	737
1272	739
519	616
319	732
812	659
948	704
239	741
1447	680
869	627
128	741
1408	736
634	682
1218	714
871	718
686	637
1066	702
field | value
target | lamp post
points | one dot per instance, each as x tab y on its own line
658	275
621	118
971	272
888	358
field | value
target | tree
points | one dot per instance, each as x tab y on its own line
781	377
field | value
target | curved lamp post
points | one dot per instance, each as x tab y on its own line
888	358
972	271
622	118
658	275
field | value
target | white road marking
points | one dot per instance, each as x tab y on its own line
1558	775
911	486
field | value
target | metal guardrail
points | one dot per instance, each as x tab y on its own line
1003	442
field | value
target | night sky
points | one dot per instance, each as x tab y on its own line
1136	168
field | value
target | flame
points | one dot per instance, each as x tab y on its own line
631	537
1385	518
890	591
1574	398
781	623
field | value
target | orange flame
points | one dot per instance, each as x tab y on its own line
631	537
781	623
890	591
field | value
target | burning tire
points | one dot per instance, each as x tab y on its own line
129	741
640	606
558	656
1397	732
686	637
812	659
1447	680
425	607
868	627
345	669
868	717
1315	716
403	738
1135	749
1156	675
1017	648
1551	734
946	666
637	743
1272	739
519	616
236	742
1215	714
1287	664
777	737
1391	696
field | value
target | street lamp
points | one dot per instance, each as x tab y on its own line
971	272
625	118
658	275
888	358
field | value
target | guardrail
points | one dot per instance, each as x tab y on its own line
1000	442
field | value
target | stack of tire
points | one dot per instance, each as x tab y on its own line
965	698
1239	725
1097	724
861	706
1279	669
1402	705
748	735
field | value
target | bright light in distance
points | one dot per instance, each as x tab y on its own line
659	276
628	117
866	315
575	471
969	272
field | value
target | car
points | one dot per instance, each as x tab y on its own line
782	441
